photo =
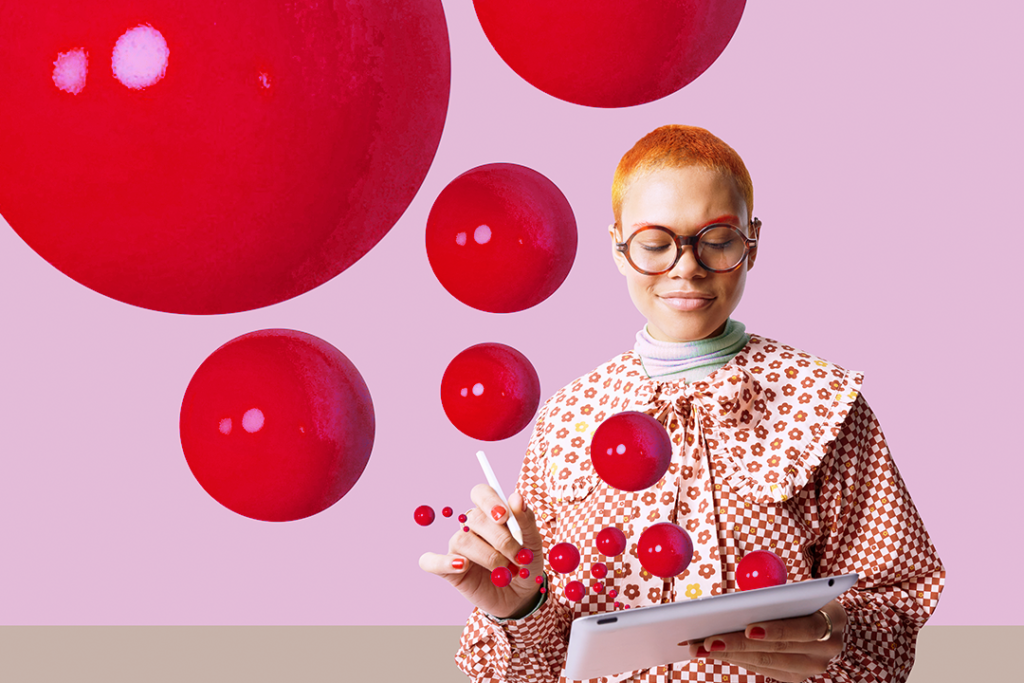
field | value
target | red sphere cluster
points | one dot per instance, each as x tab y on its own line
501	238
665	549
490	391
631	451
238	154
277	425
760	569
611	541
564	558
562	47
424	515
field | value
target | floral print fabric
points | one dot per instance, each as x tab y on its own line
776	450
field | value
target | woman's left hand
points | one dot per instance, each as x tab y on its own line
785	650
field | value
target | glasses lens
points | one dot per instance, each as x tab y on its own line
721	248
652	250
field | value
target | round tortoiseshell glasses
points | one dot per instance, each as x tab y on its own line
719	248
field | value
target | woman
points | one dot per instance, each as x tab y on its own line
774	449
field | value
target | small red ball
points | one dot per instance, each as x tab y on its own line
543	590
277	425
501	238
760	569
463	518
490	391
598	570
446	512
524	556
597	587
611	541
524	573
665	549
613	593
501	577
564	558
424	515
631	451
465	528
574	591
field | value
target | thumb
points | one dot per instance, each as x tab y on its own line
527	521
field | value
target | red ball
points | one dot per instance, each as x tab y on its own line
501	238
490	392
665	549
524	556
599	570
631	451
277	425
760	569
611	541
501	576
446	512
524	573
237	154
574	591
609	53
564	558
424	515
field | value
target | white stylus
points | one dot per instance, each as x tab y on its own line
513	526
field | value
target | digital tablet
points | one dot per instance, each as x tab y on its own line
624	640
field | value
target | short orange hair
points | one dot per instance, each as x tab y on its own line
677	146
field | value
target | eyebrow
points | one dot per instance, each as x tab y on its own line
726	218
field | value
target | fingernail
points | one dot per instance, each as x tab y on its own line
497	512
717	646
757	633
701	652
458	563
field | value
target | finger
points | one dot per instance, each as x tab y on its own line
487	499
800	629
476	548
528	525
446	566
489	520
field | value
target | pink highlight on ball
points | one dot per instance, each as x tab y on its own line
70	70
140	57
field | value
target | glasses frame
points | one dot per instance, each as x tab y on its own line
749	245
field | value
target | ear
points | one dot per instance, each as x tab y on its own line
755	232
620	259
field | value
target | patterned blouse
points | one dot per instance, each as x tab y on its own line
776	450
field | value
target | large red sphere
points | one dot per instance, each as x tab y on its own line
212	157
501	238
609	53
277	425
760	569
564	558
631	451
611	541
490	391
665	549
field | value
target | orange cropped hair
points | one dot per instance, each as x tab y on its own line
679	147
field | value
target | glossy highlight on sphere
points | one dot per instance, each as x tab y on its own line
665	549
631	451
575	590
609	53
277	425
213	157
501	576
501	238
564	558
611	541
760	569
424	515
490	391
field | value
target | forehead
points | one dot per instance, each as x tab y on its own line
683	199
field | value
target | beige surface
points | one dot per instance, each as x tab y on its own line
311	654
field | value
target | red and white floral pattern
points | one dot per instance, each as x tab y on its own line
776	450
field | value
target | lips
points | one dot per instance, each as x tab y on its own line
686	301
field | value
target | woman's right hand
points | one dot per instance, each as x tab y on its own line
488	544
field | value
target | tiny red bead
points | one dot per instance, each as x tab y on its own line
613	593
446	512
597	587
598	570
463	518
543	590
540	578
465	528
524	556
524	573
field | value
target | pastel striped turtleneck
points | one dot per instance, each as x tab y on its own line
693	360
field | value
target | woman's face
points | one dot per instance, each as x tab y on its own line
688	302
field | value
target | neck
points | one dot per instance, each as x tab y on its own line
690	360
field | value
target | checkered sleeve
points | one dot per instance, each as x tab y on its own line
871	527
532	648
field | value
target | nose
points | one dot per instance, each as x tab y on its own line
687	267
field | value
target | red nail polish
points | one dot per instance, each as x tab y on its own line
701	652
717	646
757	633
497	512
458	563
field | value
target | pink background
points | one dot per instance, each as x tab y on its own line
880	136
